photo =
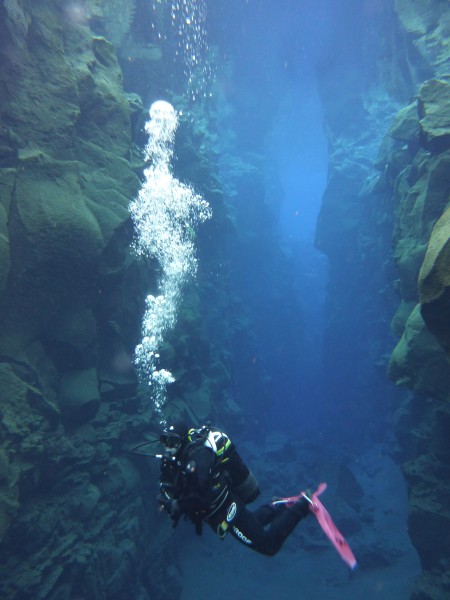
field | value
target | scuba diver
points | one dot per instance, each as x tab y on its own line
204	479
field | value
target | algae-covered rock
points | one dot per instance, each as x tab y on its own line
9	492
42	105
17	422
428	25
437	189
5	262
418	361
7	182
79	393
405	126
429	515
408	254
401	316
434	282
434	275
116	375
417	16
199	401
434	110
71	339
13	400
55	241
107	11
423	193
54	215
440	438
79	396
77	328
65	184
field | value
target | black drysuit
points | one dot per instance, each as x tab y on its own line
194	485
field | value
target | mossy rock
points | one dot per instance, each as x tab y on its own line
52	210
42	102
9	492
418	361
434	275
77	327
199	401
5	261
55	244
401	316
79	396
70	84
109	219
434	282
416	17
71	338
23	409
13	401
7	183
432	585
440	439
437	190
105	116
434	112
408	254
220	375
39	361
101	170
405	126
429	519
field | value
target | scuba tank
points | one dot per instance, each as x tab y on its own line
241	480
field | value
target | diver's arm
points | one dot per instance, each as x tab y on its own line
168	475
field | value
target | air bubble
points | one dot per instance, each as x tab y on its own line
188	20
164	213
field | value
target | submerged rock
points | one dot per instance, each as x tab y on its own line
405	126
66	270
434	282
418	361
79	396
429	516
434	110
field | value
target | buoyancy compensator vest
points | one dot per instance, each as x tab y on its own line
229	468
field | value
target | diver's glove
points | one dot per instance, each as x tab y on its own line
175	512
171	507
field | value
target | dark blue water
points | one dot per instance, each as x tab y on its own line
274	50
305	417
277	54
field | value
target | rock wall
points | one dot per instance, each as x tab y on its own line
419	165
77	514
406	202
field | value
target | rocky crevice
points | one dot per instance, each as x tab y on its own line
78	516
76	512
410	198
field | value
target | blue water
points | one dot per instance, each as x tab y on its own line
273	52
278	113
298	424
265	335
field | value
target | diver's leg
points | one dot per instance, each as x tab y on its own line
248	529
267	513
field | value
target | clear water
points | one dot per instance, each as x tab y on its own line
251	82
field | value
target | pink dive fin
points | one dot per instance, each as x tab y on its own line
326	522
330	529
